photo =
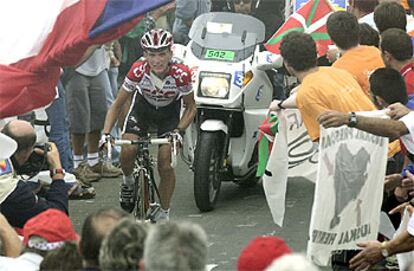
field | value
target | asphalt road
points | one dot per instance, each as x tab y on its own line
240	215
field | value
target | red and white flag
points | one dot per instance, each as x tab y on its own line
310	19
39	37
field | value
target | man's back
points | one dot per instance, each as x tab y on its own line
361	62
329	89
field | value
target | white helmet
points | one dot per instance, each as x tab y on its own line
156	39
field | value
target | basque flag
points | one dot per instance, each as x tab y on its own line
311	19
38	37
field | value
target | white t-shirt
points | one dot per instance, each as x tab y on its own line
27	261
95	64
368	19
408	140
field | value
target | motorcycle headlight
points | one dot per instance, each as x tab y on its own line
215	86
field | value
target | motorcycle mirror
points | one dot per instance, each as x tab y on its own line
267	61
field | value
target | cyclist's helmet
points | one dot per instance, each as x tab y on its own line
156	40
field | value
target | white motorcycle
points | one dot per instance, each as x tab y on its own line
232	93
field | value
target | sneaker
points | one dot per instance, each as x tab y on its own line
127	198
85	174
161	216
106	170
78	191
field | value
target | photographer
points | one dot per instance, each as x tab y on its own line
17	201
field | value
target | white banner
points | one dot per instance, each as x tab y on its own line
348	191
293	154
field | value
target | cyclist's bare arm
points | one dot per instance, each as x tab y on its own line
115	109
124	112
189	112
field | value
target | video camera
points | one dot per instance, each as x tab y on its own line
35	163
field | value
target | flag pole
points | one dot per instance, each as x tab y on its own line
288	8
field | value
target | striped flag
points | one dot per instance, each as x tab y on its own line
311	19
39	37
268	130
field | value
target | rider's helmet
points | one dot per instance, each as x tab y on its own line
156	40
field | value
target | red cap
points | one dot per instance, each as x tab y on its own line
52	225
260	253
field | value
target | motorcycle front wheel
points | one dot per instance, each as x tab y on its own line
207	179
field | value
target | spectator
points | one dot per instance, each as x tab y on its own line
322	88
292	262
87	108
10	241
388	87
397	51
268	11
95	228
8	146
368	35
375	251
390	15
59	133
185	13
261	252
114	56
43	233
175	246
123	248
17	201
358	60
65	258
364	11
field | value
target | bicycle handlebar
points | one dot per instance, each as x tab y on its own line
153	141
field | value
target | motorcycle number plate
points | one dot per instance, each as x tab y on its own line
220	55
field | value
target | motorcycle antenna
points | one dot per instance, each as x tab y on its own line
204	33
243	40
243	37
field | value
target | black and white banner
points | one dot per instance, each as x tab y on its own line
293	154
348	191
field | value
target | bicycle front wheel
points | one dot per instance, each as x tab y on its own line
142	196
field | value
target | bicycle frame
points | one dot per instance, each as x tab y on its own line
145	188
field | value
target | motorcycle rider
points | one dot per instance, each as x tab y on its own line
157	87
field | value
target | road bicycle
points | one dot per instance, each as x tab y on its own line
146	193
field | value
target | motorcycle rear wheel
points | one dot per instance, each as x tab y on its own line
207	179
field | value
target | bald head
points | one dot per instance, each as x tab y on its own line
94	230
22	132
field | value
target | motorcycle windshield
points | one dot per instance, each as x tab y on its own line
226	31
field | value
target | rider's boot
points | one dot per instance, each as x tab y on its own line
127	195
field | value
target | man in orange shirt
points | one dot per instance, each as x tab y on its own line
358	60
321	88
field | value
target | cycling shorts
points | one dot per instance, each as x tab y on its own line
143	117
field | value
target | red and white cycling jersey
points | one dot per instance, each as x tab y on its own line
157	92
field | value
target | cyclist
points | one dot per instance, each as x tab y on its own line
157	87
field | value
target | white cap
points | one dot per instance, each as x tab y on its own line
7	146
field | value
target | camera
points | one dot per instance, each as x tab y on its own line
340	258
35	163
